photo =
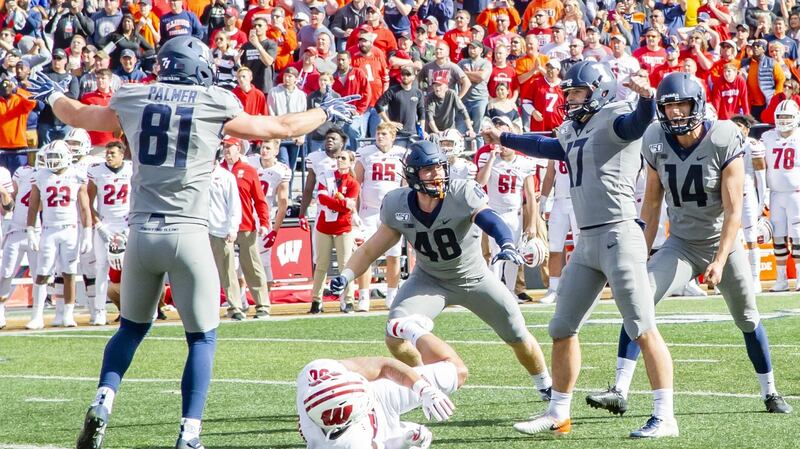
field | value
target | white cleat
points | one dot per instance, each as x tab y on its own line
2	323
693	289
757	286
781	285
363	305
548	298
657	428
35	324
544	423
58	321
70	322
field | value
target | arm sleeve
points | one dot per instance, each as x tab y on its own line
491	223
631	126
534	145
332	203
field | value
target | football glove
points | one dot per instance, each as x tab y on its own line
419	438
43	88
33	241
509	253
269	240
434	403
338	284
86	241
339	108
303	222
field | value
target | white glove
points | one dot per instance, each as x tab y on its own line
85	244
33	240
542	205
103	231
434	402
419	438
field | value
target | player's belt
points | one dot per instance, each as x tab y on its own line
64	226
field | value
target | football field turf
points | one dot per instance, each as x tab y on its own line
47	380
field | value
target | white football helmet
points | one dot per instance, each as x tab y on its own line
534	250
451	142
79	142
116	251
787	116
56	155
39	163
338	400
764	229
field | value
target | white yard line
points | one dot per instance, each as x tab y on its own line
27	446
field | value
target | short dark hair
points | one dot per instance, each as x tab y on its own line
116	144
336	130
745	120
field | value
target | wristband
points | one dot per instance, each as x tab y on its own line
52	98
419	386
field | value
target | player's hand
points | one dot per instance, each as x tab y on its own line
418	438
542	205
434	403
269	240
340	108
33	241
509	252
713	274
42	88
640	85
103	232
230	238
338	284
303	222
491	135
86	241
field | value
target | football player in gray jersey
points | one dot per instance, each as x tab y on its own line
698	164
443	219
174	128
600	143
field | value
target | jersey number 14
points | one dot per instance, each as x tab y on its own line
692	188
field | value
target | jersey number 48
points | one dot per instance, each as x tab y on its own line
447	247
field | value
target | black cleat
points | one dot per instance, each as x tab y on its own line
316	307
523	297
348	308
611	400
162	315
94	428
546	394
238	316
194	443
776	404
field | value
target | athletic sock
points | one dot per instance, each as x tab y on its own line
406	329
69	312
542	380
197	373
754	256
767	382
59	302
662	403
559	406
363	293
554	283
625	370
781	272
391	292
190	428
39	295
105	397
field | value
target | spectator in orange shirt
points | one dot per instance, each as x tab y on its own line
727	55
147	22
100	97
284	36
765	77
554	9
488	18
530	66
14	110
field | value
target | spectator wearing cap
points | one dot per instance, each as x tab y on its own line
403	104
254	205
791	90
262	8
727	55
441	10
179	22
553	10
127	38
147	22
540	27
213	17
459	37
503	72
442	68
14	110
651	54
86	63
671	64
88	81
547	99
424	47
405	55
27	20
431	25
765	77
349	80
478	70
502	35
593	48
624	66
285	38
315	139
373	62
742	40
106	20
23	71
236	36
127	71
496	8
575	56
307	72
559	48
530	66
69	21
307	36
258	54
283	99
674	12
253	100
100	97
729	95
300	20
442	106
50	127
779	35
719	17
226	61
396	12
384	38
347	19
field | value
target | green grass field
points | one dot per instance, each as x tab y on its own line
48	379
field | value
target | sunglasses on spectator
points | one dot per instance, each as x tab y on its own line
538	15
502	20
343	158
406	74
574	46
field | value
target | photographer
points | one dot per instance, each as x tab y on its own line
14	110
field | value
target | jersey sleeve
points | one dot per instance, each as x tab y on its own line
651	151
729	142
475	197
286	173
5	180
756	149
389	205
229	104
482	159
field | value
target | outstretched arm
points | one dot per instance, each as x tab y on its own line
632	125
530	144
374	368
79	115
260	127
494	226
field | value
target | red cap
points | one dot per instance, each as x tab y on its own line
233	12
312	50
230	140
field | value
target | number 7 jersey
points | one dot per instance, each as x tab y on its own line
174	132
782	160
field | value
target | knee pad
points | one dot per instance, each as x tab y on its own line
781	250
559	329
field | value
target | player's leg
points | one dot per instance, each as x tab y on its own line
369	225
12	256
737	291
45	263
559	225
101	267
69	259
780	228
323	243
345	245
793	221
87	269
750	215
250	262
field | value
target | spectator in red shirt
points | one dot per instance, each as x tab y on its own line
350	80
696	50
459	37
672	64
540	27
502	35
253	204
547	99
100	97
337	200
791	90
719	17
308	78
253	100
503	72
652	54
237	37
729	95
373	62
384	38
262	8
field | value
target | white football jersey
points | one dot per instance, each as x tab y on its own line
783	160
23	178
270	178
561	185
87	162
506	181
113	189
463	169
325	170
59	196
383	172
752	149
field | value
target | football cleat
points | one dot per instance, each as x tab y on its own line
94	428
546	393
692	288
781	285
58	321
316	307
523	297
194	443
238	316
346	308
544	423
548	298
776	404
35	324
70	322
610	399
261	315
363	305
656	427
2	323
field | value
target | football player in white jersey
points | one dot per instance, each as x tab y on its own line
7	192
60	191
274	176
109	187
452	143
781	146
379	170
508	177
561	222
357	403
755	194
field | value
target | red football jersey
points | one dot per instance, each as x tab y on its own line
649	59
458	41
354	83
375	68
549	101
507	75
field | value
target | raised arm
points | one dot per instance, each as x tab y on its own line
529	144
